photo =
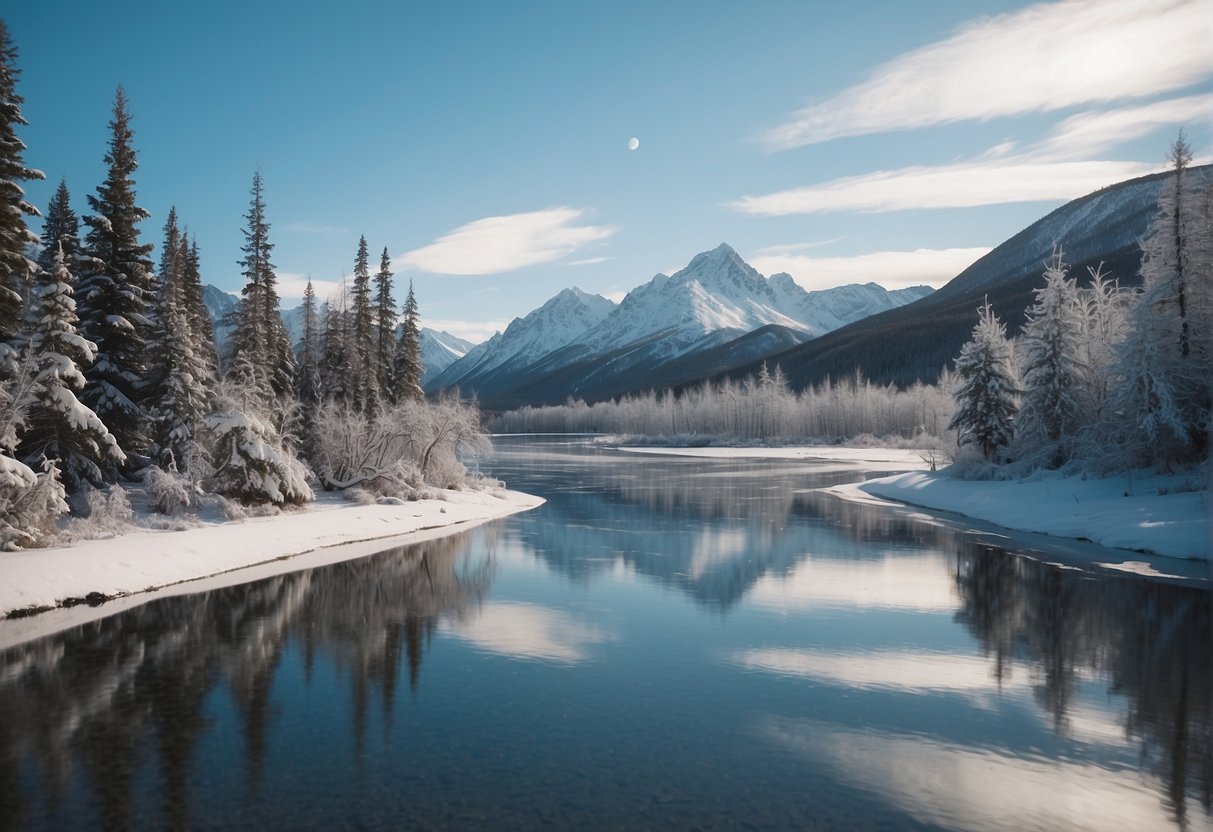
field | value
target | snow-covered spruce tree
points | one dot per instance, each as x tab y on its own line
335	370
202	333
1050	353
385	326
181	373
408	370
362	335
249	460
57	426
60	229
259	341
16	270
1103	311
307	375
113	293
29	501
986	393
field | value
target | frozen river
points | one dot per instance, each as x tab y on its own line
667	642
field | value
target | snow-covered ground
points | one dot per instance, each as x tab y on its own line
145	560
1159	515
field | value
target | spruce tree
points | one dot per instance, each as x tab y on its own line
113	295
61	228
334	357
985	397
385	332
16	270
307	376
260	354
58	427
202	332
362	336
1053	369
408	369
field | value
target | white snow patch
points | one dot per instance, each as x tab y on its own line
144	560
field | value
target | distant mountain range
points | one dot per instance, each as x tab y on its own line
716	312
719	318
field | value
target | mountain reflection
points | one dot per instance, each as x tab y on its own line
104	699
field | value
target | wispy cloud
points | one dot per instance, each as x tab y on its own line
589	261
961	185
1090	134
291	287
1064	55
891	269
502	244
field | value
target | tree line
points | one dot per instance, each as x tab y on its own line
109	369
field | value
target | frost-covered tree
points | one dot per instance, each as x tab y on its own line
16	270
113	293
362	345
986	392
1103	309
307	376
57	426
249	459
202	333
1051	358
182	373
259	342
408	370
335	367
385	325
60	229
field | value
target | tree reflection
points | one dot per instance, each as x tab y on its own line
97	704
1152	639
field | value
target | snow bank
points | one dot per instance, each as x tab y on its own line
1156	516
147	560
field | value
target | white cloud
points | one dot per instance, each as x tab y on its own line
474	331
501	244
960	185
891	269
616	296
589	261
1045	57
291	287
1086	135
911	671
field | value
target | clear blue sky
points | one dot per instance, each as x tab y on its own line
486	144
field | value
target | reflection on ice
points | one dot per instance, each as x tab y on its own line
529	632
972	789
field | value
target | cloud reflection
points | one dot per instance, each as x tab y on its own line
901	582
974	789
529	632
915	672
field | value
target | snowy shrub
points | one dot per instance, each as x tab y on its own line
106	512
29	504
167	491
400	449
250	463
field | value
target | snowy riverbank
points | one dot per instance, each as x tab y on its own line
147	560
1159	515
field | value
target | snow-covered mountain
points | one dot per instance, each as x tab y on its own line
440	350
583	345
219	304
561	321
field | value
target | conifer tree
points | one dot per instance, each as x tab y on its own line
261	356
385	320
113	294
57	426
202	333
362	337
16	270
182	373
334	358
1053	369
985	397
307	376
408	369
60	227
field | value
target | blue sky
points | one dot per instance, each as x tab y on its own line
485	144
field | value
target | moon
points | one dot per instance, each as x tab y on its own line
633	143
